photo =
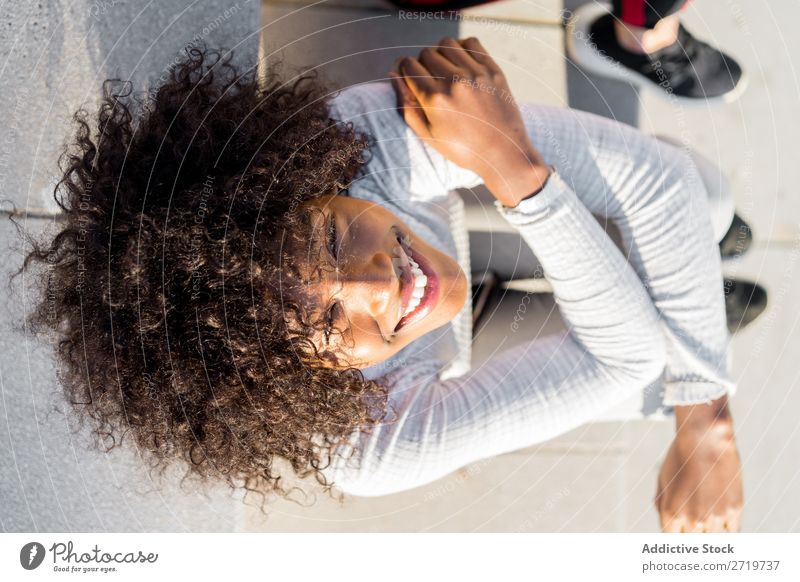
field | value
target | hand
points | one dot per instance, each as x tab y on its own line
457	100
700	482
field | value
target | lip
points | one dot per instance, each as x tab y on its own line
429	299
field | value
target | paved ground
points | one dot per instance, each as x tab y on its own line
600	477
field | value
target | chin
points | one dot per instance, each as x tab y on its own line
457	296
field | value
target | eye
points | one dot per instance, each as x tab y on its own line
329	320
330	315
332	247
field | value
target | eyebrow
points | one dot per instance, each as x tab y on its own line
317	232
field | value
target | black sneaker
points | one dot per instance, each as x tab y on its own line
737	240
744	302
688	69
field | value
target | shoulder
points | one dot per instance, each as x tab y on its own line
399	160
370	107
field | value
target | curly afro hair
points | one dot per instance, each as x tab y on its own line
162	284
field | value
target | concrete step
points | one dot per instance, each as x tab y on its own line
528	11
350	46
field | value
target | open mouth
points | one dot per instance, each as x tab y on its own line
420	288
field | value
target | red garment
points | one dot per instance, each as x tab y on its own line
646	13
436	5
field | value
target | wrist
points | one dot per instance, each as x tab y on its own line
515	185
708	420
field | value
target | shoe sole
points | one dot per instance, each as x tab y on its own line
584	54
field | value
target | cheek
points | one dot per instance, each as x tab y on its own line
366	352
373	352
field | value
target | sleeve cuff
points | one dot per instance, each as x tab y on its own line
686	393
537	207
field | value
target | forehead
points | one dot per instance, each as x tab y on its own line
303	248
304	261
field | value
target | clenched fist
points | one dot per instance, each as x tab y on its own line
456	99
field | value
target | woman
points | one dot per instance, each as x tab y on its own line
253	274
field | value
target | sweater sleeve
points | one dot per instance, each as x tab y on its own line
531	392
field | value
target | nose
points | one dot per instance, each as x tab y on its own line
369	285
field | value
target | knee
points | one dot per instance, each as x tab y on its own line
718	191
702	176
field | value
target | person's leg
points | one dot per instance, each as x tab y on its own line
643	26
645	13
717	187
504	253
643	43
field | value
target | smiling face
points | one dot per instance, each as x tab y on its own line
380	286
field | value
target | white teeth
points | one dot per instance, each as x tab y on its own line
420	279
412	305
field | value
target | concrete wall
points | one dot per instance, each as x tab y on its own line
55	56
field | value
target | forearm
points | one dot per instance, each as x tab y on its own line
658	202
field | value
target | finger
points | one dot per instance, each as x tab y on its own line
669	521
439	66
409	108
731	526
404	96
455	53
419	80
695	526
733	519
476	51
715	524
672	524
399	97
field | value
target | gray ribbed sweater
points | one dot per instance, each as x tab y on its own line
655	316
